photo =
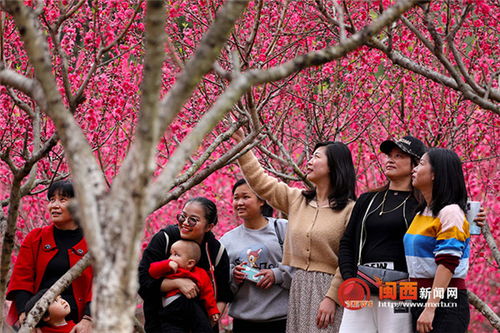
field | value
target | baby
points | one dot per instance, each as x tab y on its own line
53	321
178	311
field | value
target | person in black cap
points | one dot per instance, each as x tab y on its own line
374	235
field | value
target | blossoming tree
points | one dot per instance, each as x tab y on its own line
127	98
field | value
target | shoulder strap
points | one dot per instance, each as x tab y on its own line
219	254
278	234
361	243
211	269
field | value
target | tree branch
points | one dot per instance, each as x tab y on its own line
223	161
20	103
250	41
325	55
137	170
78	96
89	181
399	59
36	313
243	82
20	82
207	153
461	66
289	159
482	307
281	174
140	159
10	232
490	240
201	62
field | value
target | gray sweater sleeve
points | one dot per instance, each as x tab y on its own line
283	274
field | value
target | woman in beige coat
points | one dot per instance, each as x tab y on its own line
317	220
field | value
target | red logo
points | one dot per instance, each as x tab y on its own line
354	294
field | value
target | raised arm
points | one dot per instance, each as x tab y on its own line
276	193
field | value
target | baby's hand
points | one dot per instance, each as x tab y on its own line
214	318
173	265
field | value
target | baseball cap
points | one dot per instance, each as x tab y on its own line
409	144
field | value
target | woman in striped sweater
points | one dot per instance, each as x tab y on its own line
437	244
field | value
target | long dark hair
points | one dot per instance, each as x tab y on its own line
449	185
265	210
342	175
208	206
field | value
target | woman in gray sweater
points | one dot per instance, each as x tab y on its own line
261	304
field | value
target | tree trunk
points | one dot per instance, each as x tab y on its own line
115	276
113	307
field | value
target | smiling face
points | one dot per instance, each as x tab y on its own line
58	310
195	211
59	212
246	204
423	176
398	165
317	167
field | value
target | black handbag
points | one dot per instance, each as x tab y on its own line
374	276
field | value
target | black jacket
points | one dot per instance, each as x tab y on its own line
349	244
157	250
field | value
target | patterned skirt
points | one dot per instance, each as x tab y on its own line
306	293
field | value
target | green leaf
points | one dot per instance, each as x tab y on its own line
380	71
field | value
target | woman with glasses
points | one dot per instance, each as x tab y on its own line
261	304
195	222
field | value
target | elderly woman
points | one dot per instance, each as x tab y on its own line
195	223
46	254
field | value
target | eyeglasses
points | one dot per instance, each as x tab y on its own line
191	221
